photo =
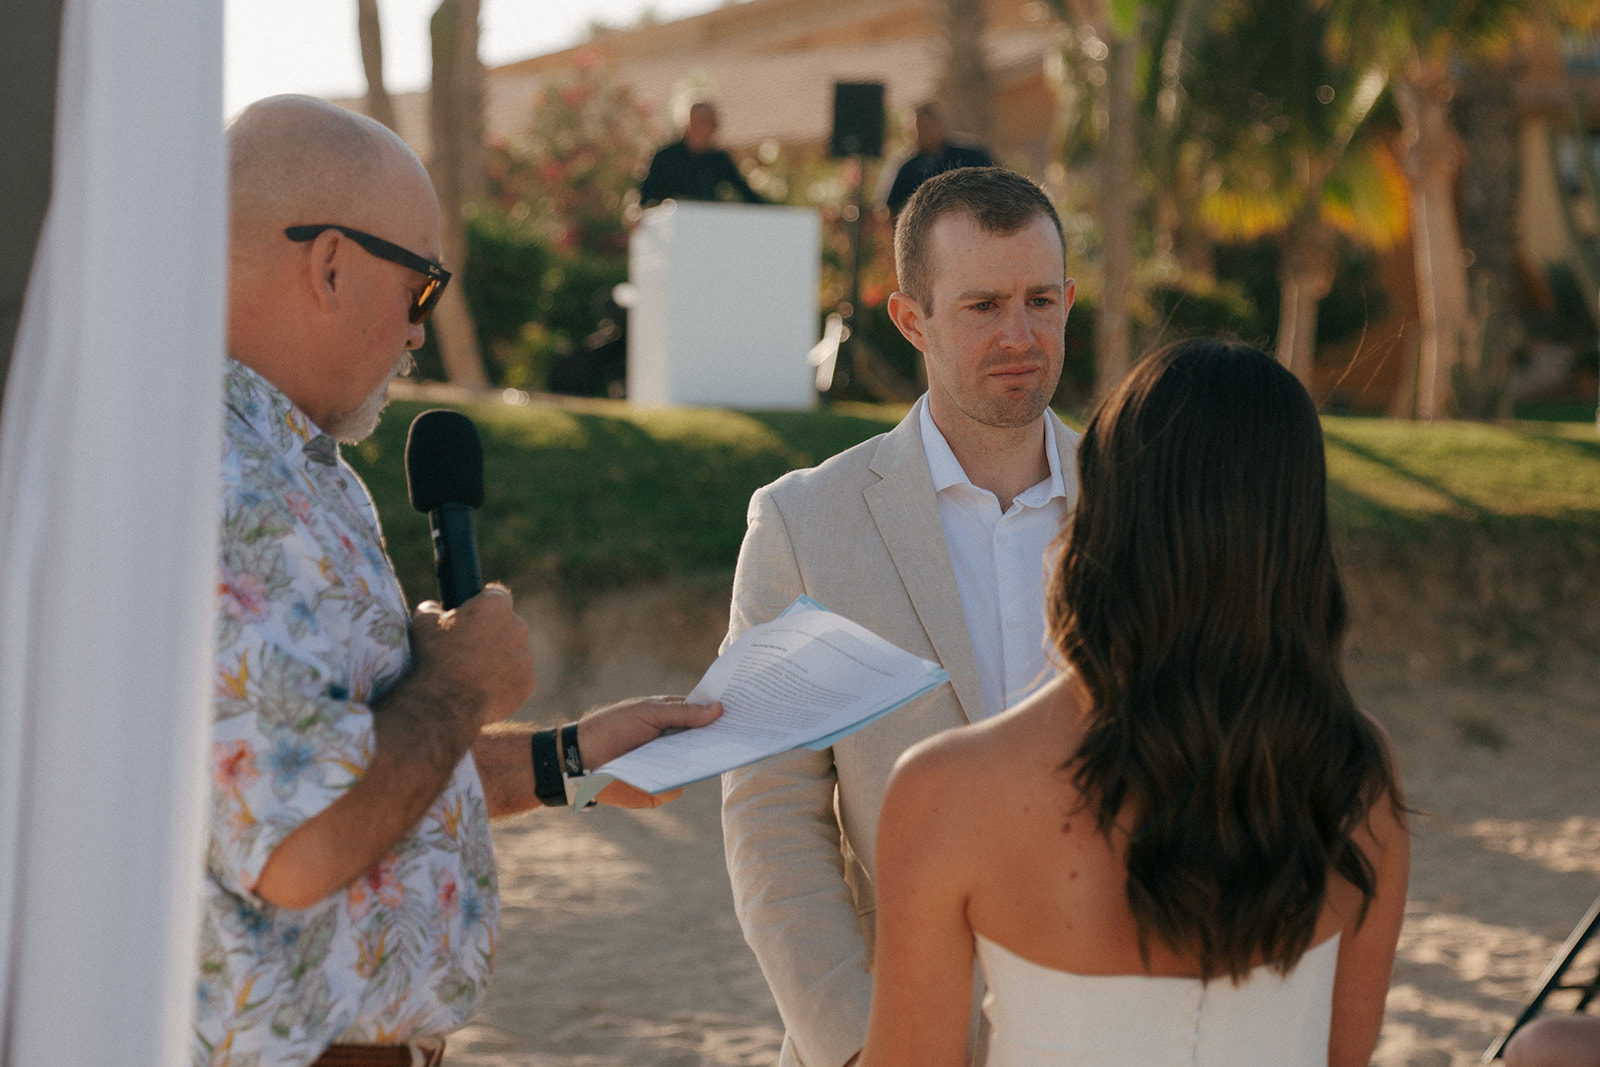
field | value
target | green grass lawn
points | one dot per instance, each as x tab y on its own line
597	494
1403	476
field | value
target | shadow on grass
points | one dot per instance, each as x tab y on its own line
585	500
1468	508
598	496
1587	450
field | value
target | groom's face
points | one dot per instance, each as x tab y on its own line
993	328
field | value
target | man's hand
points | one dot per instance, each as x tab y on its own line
608	732
506	769
478	654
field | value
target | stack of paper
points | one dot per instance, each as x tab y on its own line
807	678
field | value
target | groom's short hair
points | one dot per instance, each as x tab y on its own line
998	200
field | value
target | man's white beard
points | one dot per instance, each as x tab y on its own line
353	427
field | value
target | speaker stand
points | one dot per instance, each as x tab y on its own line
846	365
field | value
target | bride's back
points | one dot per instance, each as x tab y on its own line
1060	947
1050	886
1194	813
1039	1016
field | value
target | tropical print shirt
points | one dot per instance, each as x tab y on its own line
311	627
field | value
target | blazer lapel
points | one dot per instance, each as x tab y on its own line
906	513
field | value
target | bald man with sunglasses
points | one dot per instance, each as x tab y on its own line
358	749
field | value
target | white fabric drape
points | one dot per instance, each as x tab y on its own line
108	471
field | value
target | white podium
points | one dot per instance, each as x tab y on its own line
723	309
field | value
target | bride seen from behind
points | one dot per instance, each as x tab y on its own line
1190	846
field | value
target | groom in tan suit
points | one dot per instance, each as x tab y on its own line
933	535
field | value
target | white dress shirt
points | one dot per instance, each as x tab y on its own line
1001	563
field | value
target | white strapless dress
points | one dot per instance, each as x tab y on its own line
1039	1016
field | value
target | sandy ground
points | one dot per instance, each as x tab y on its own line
619	946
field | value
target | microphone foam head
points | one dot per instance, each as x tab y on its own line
444	461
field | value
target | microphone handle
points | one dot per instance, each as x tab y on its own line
455	554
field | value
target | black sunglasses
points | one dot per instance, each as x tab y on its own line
437	276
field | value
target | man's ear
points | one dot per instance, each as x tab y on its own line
324	276
907	316
1070	294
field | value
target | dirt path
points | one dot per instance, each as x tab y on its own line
619	947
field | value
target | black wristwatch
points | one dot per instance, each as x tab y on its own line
548	785
571	758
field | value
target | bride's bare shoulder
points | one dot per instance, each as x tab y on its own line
1044	729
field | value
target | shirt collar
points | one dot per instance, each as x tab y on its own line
946	470
264	408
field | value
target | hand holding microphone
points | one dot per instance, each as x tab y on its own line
480	652
472	661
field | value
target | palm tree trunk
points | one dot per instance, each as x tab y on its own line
456	122
1180	239
1490	188
1119	180
1432	158
966	90
370	31
1309	255
1585	261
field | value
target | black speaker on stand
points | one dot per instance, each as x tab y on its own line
857	120
857	134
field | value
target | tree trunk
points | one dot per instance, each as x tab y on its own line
1119	182
1490	188
369	29
1432	155
1180	238
1585	261
1308	257
965	89
455	104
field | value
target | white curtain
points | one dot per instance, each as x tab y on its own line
108	460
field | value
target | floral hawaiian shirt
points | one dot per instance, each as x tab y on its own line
311	627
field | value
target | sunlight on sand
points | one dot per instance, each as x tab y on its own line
1456	982
619	946
1570	845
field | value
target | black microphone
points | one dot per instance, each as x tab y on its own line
444	477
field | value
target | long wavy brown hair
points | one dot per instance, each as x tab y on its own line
1197	597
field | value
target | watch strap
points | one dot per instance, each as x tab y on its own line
548	784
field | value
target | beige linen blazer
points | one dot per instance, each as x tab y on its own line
861	535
